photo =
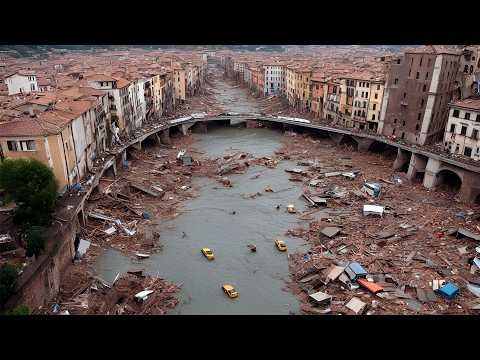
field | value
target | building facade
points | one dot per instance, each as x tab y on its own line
462	134
419	87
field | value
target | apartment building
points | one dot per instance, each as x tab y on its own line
419	87
317	91
274	79
462	134
375	100
21	82
332	100
360	103
179	83
52	144
469	72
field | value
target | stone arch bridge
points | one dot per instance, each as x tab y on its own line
432	169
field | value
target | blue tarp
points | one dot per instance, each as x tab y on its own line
449	290
354	270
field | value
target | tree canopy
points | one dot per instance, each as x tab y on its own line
33	187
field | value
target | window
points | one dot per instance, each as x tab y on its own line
452	128
12	145
393	132
426	76
422	102
429	62
467	151
419	116
394	121
478	118
417	76
398	61
424	88
396	81
403	124
28	145
467	116
374	107
404	95
373	116
465	69
421	60
32	87
376	96
463	131
475	134
368	84
417	127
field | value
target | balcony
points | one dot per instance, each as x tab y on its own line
404	103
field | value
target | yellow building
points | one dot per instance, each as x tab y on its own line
179	82
303	87
291	84
50	143
375	103
360	103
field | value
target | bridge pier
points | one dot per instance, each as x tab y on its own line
418	163
165	137
431	171
157	139
137	145
403	158
185	127
336	137
363	143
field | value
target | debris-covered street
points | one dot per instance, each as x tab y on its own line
405	239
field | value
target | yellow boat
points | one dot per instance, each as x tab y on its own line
280	244
208	253
230	291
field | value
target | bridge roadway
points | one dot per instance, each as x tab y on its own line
435	168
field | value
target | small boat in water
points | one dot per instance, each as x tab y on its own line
252	247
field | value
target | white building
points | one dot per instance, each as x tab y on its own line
136	95
463	128
120	106
274	79
21	82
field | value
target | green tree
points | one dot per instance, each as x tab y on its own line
35	236
33	187
8	281
20	310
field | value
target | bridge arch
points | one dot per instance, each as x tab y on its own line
449	180
348	140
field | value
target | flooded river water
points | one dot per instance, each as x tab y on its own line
207	221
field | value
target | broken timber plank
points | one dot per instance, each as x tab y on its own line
144	189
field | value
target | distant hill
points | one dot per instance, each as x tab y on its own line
36	50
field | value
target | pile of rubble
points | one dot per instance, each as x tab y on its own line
150	186
416	251
132	293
